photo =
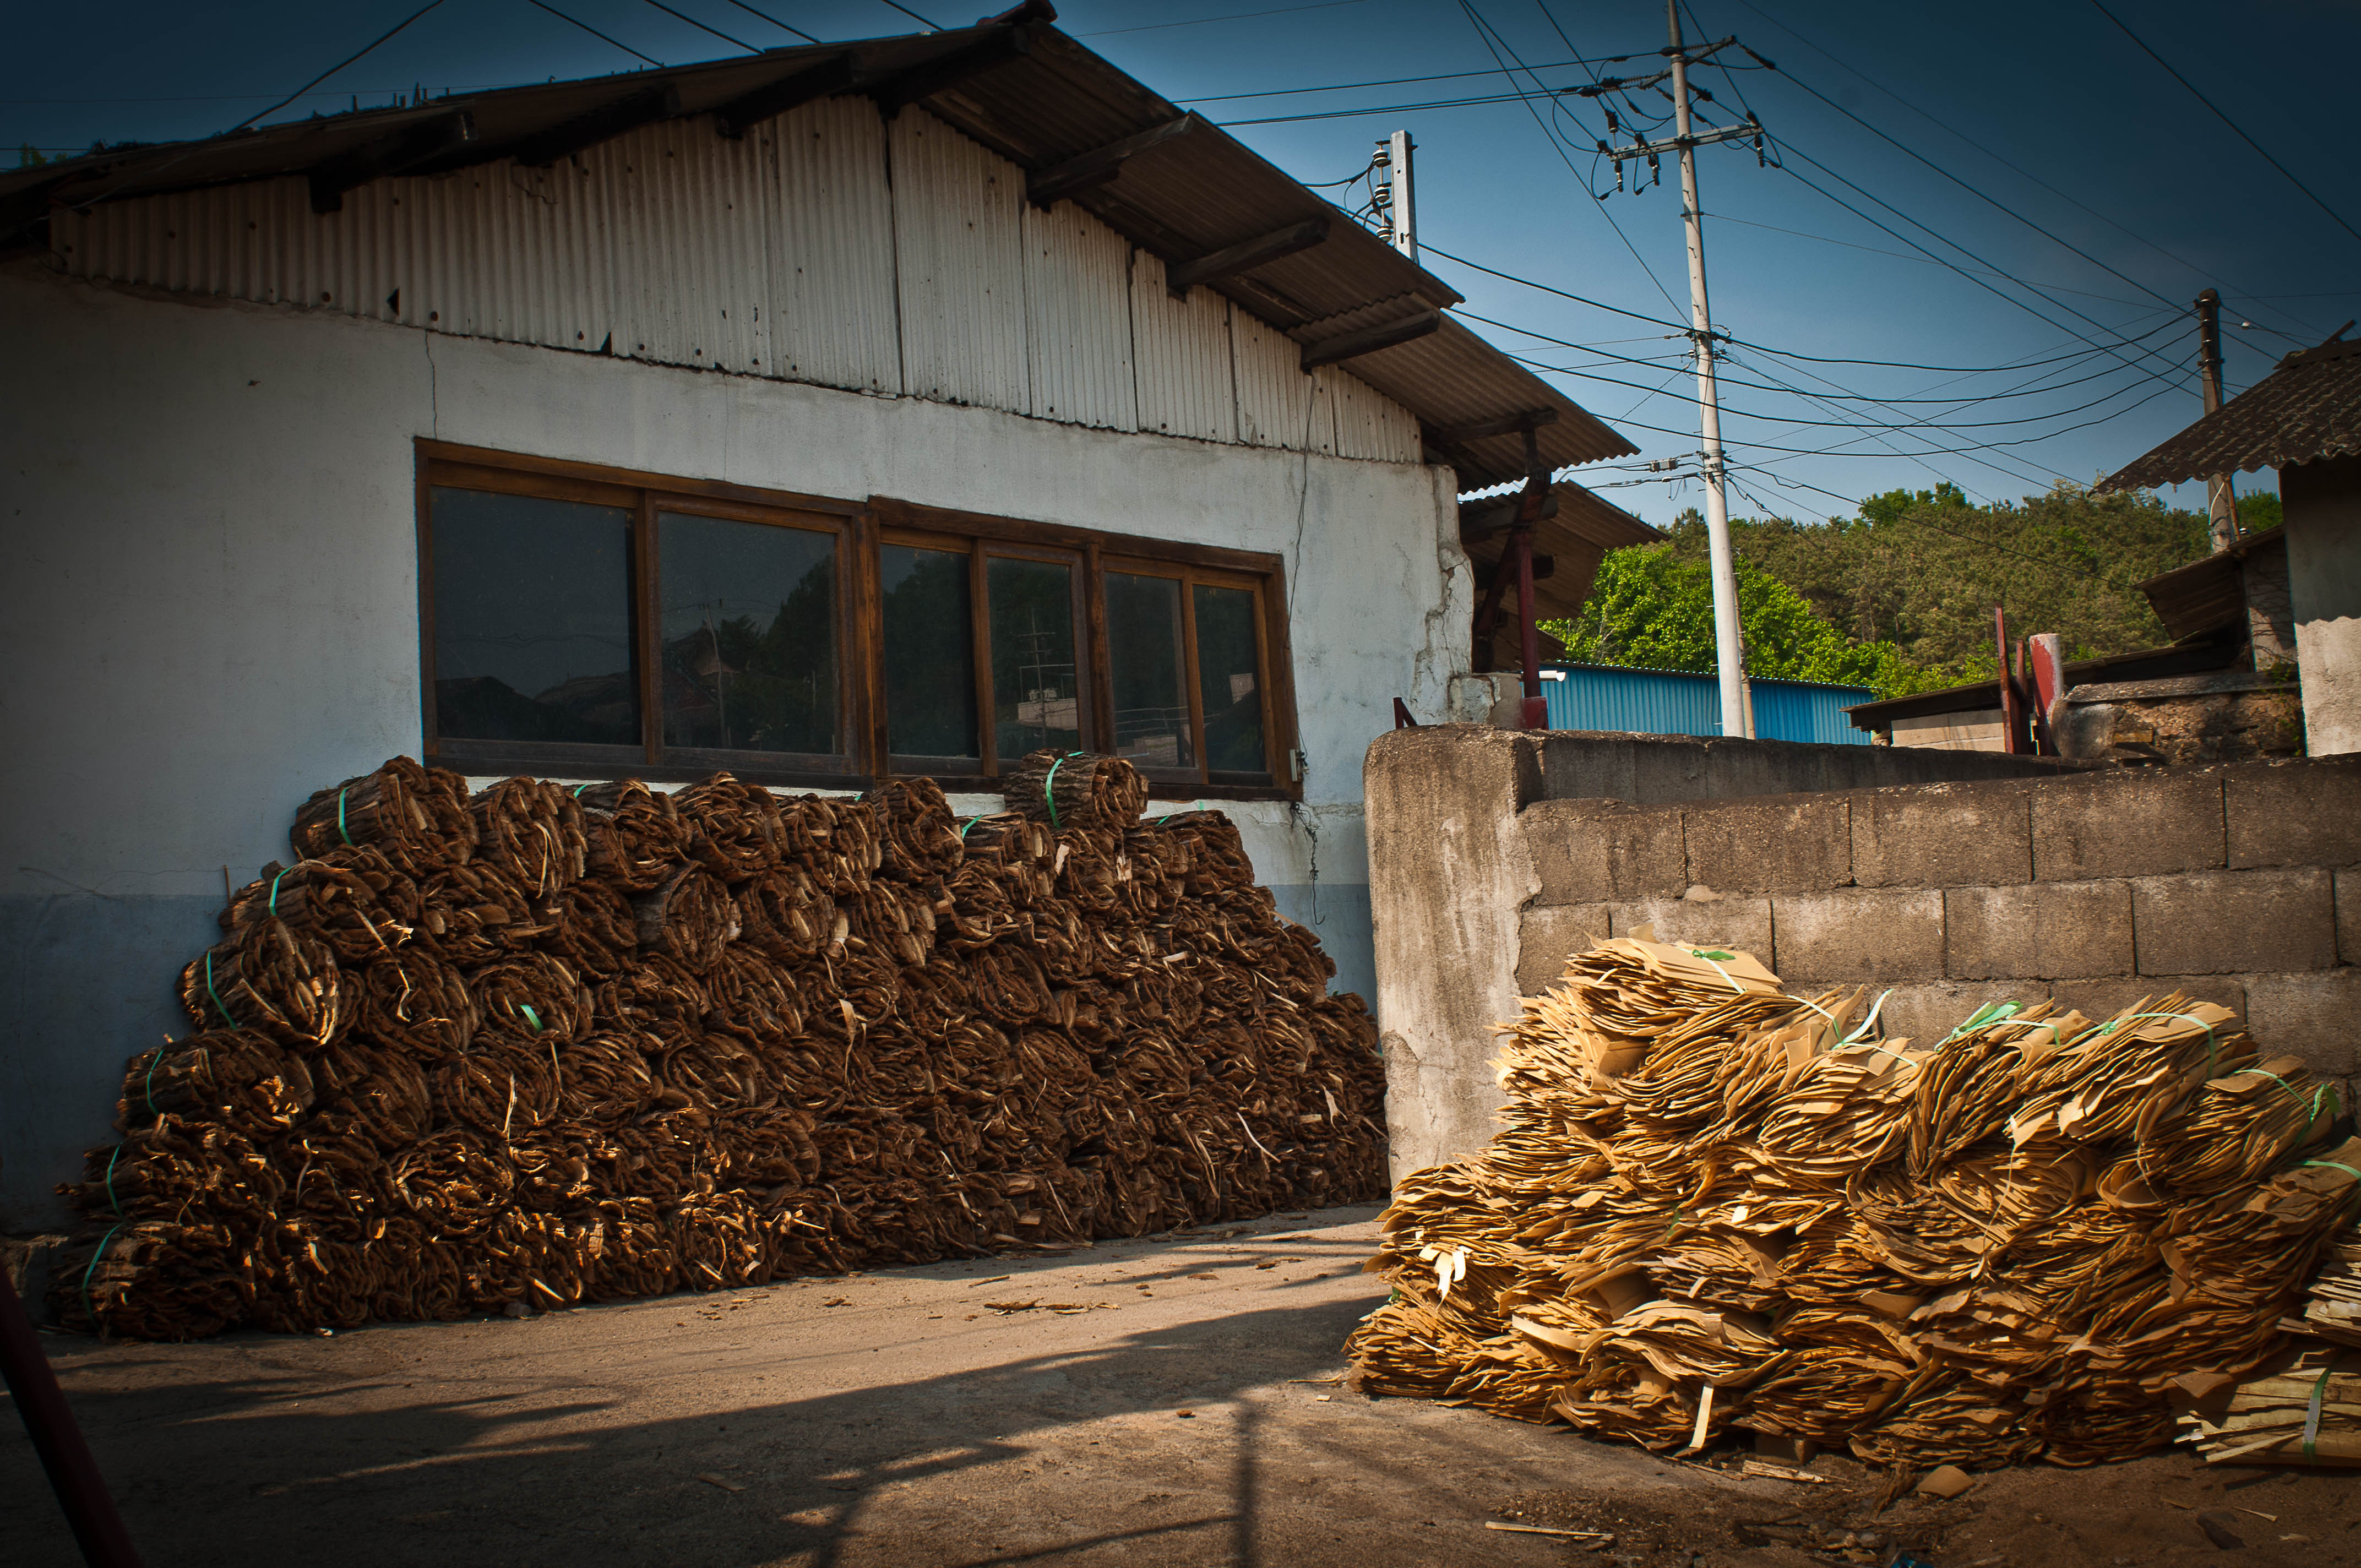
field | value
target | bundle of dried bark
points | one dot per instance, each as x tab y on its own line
832	1033
1075	789
416	817
635	835
238	1080
1715	1206
531	830
272	979
355	900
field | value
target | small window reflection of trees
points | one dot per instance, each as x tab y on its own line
929	653
748	666
1035	688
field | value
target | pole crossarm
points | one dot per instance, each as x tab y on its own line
1639	150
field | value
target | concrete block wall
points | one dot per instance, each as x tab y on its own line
2240	885
1488	863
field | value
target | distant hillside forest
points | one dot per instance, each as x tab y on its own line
1900	597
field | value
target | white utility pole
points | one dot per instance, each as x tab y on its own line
1737	707
1400	208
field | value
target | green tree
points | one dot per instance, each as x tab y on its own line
1652	607
2260	511
1924	569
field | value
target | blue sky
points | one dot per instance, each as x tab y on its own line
2158	195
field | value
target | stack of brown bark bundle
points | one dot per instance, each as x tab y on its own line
547	1044
1716	1206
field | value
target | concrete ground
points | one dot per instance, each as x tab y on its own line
1186	1406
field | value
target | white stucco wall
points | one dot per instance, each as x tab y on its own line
2324	559
212	609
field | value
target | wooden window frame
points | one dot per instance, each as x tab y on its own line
863	529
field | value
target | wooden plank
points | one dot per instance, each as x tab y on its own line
1507	424
823	79
388	154
1370	339
1087	171
605	122
1246	256
996	47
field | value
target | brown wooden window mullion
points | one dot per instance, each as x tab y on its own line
1102	668
987	747
648	614
1191	682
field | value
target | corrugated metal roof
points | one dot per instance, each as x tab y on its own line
2307	409
1616	698
2211	591
2213	652
1188	196
1576	539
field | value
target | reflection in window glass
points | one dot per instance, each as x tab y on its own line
929	653
1145	653
532	620
749	635
1227	672
1036	697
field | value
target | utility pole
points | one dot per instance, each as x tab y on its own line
1737	707
1394	200
1730	658
2220	507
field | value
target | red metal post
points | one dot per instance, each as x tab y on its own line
2012	703
73	1473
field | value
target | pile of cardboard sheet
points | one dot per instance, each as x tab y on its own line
1716	1206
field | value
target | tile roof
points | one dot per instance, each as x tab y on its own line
2307	409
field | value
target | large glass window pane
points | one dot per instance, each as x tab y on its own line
532	620
1227	680
1148	666
929	653
1036	699
749	626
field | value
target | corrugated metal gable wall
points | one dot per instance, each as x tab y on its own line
826	246
836	317
1181	350
958	249
1078	319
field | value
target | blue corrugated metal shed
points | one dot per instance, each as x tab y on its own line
1676	702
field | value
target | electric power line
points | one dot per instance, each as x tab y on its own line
798	32
595	33
348	59
701	28
2226	119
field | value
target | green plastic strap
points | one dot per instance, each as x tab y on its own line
1678	1215
112	1200
2338	1165
96	1327
274	894
2312	1113
1194	805
2311	1411
215	994
1990	1013
347	838
579	789
155	1060
1052	778
1711	957
530	1016
1870	1022
966	825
